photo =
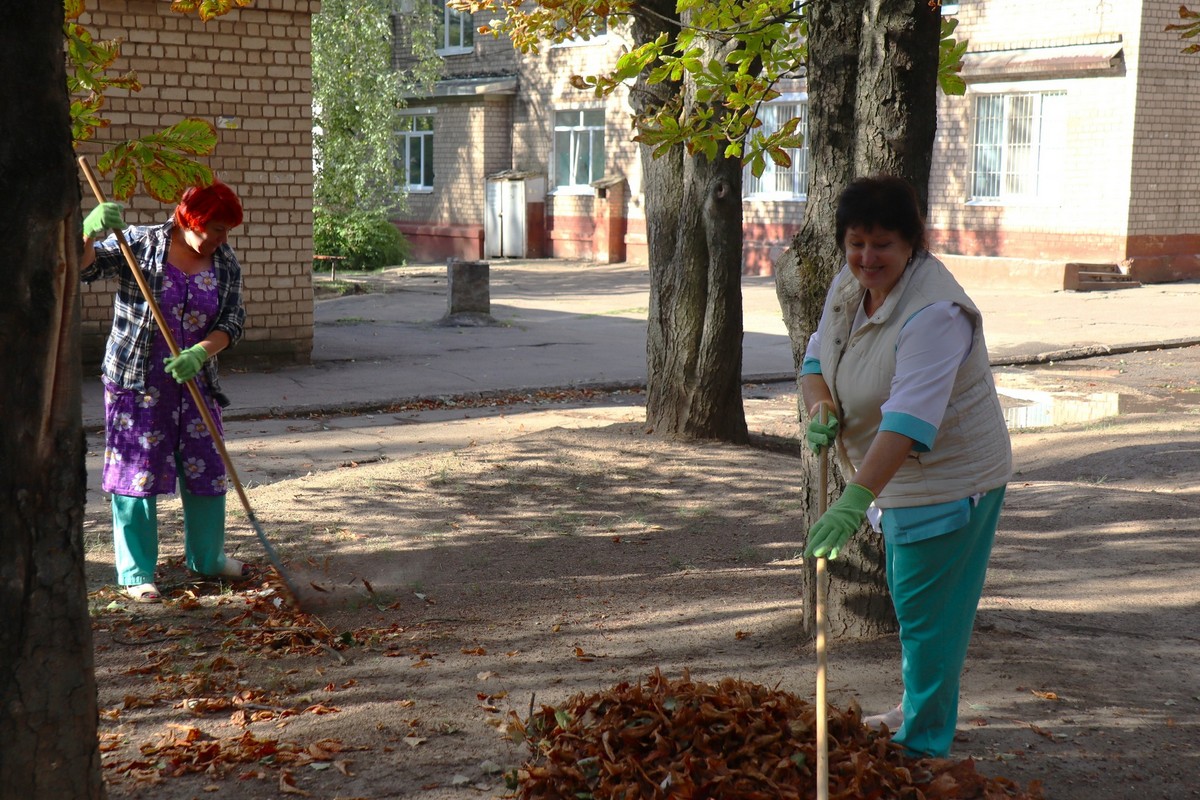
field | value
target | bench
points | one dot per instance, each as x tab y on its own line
333	262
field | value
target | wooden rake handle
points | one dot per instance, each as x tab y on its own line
822	629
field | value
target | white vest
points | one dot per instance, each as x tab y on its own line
971	453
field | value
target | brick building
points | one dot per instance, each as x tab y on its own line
250	74
1072	144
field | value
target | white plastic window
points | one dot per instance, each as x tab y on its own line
578	148
455	30
416	151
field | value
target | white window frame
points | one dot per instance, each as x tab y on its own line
466	30
1017	145
794	180
424	138
578	135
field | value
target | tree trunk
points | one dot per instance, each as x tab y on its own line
48	718
872	81
694	237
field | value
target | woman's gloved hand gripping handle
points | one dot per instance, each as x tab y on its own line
828	535
104	217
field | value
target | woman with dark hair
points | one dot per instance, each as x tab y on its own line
154	434
897	377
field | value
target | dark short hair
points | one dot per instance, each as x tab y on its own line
882	201
201	205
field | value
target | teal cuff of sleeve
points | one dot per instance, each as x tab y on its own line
920	431
811	366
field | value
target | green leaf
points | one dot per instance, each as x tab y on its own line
950	55
780	156
758	165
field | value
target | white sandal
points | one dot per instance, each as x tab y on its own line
234	570
143	593
892	719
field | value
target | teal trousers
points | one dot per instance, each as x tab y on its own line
135	535
936	585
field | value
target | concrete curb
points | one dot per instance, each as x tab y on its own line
1093	351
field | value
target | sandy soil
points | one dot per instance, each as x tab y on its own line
453	589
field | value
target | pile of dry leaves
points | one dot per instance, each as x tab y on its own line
685	739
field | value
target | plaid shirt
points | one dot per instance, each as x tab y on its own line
127	355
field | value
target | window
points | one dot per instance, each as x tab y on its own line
455	30
416	151
790	183
1017	150
578	148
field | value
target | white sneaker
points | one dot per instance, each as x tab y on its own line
892	719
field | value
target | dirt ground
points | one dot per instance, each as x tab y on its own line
453	589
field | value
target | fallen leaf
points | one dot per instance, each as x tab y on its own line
288	787
474	651
1044	695
413	741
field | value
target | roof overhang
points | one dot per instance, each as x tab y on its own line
1040	63
475	87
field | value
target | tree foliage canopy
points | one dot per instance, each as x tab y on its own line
759	43
356	93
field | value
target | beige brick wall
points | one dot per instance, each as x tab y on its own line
545	77
465	145
253	65
1165	193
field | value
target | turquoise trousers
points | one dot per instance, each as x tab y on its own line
936	585
135	535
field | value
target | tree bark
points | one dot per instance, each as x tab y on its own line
694	238
872	82
48	717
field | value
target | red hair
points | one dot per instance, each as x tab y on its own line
201	205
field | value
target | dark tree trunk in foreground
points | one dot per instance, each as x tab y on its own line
48	746
872	82
694	237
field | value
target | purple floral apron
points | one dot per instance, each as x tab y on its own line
146	429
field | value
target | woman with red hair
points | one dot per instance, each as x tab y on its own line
155	437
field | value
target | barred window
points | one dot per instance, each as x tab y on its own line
1018	145
783	183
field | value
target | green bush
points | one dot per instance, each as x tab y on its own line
368	242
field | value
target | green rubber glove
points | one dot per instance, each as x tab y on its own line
184	366
820	434
104	217
829	534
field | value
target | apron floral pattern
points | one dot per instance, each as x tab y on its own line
152	432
